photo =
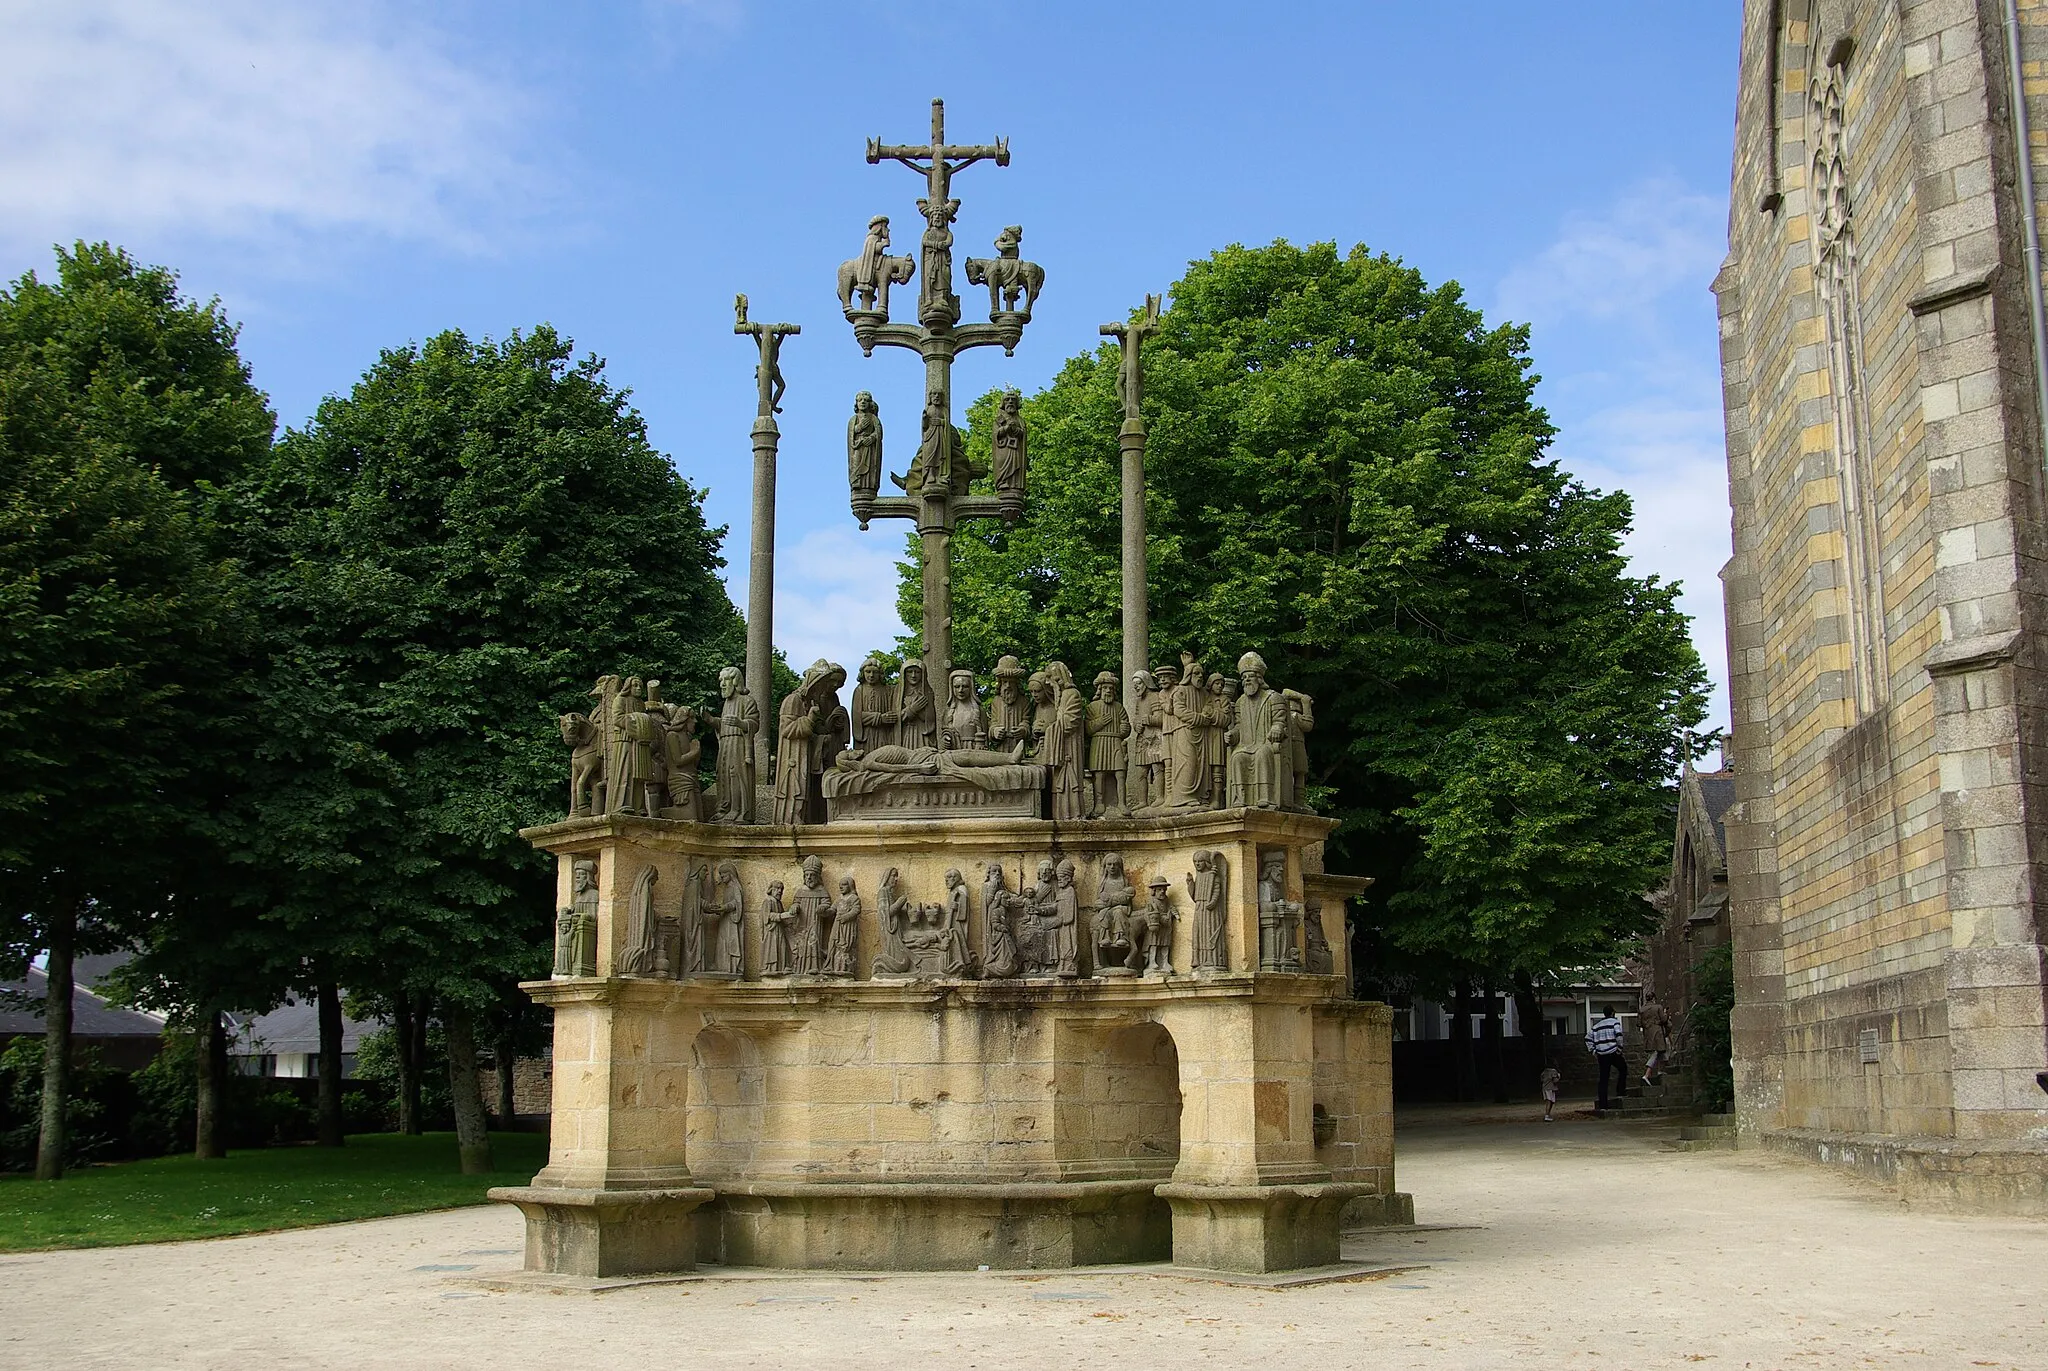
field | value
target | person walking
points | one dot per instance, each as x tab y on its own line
1550	1080
1603	1040
1656	1038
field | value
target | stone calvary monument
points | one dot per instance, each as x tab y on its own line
1040	978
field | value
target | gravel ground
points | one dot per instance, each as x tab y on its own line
1574	1243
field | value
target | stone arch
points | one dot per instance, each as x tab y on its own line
1118	1101
726	1099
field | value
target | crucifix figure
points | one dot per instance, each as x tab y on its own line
936	492
761	557
1130	389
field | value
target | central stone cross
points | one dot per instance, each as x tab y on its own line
936	487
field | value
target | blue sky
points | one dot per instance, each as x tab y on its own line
348	177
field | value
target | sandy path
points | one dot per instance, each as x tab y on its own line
1591	1247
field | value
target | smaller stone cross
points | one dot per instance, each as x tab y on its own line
768	374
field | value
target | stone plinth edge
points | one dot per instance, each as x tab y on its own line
1968	1175
1259	1228
599	1233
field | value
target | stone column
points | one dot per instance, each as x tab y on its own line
1137	614
761	589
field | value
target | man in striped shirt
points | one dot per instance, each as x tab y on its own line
1603	1039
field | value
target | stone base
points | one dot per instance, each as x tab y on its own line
1258	1227
914	1226
1973	1175
1396	1210
595	1233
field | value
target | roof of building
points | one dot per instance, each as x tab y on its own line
293	1026
1717	791
91	1016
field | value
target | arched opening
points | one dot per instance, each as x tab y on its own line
1119	1103
725	1101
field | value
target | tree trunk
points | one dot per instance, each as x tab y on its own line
57	1041
1535	1033
1496	1055
330	1064
422	1011
1461	1043
472	1136
408	1063
507	1105
209	1141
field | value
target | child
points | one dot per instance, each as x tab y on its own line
1550	1079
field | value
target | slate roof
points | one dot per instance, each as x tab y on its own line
1717	790
293	1026
91	1016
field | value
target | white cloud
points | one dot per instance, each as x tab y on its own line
1625	340
240	120
1619	264
835	596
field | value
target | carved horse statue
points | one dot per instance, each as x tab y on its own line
874	289
1007	276
586	763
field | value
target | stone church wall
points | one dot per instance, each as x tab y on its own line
1884	595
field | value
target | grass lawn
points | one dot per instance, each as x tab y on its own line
167	1198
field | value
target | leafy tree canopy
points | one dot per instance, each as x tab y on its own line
1347	472
447	558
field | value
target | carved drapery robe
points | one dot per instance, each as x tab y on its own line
1182	723
738	721
1064	931
720	919
794	731
813	908
955	958
1007	463
1207	891
777	951
1109	727
681	753
917	720
962	724
892	912
642	952
873	717
998	940
1062	726
1009	719
1259	758
842	951
864	452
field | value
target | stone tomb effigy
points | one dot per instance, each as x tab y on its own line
1035	980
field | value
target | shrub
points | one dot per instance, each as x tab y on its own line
1713	979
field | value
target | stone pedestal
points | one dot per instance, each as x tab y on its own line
1257	1228
934	1122
607	1232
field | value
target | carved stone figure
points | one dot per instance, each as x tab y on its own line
1009	711
1148	758
576	928
1011	461
937	443
1114	897
1061	725
1316	957
863	453
1279	917
917	716
1209	892
873	715
1000	957
629	745
872	273
1013	284
955	958
1223	690
642	953
739	719
1152	931
719	922
1033	922
1184	714
1165	679
813	910
962	724
778	950
810	733
937	305
927	761
681	753
1063	929
586	764
892	914
1109	753
1301	721
1258	749
842	949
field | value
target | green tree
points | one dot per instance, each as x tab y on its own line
449	556
1347	472
123	407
